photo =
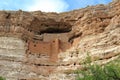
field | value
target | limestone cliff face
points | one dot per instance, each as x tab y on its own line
100	37
12	53
37	45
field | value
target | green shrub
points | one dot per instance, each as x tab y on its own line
96	72
1	78
111	71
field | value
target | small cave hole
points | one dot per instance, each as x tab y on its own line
74	64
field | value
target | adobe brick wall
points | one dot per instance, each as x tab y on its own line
55	50
64	46
52	48
61	36
39	47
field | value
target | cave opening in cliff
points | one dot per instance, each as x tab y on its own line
53	30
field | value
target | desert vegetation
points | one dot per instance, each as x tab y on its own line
110	71
1	78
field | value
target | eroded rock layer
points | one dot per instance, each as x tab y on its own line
38	45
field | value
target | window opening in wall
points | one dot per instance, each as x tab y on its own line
34	45
18	24
29	52
30	30
26	41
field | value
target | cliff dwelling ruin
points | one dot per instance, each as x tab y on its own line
51	45
33	42
42	36
34	45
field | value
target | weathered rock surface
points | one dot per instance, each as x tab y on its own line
30	42
100	38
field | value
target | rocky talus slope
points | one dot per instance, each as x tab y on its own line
49	46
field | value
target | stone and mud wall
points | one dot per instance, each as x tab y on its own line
51	48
